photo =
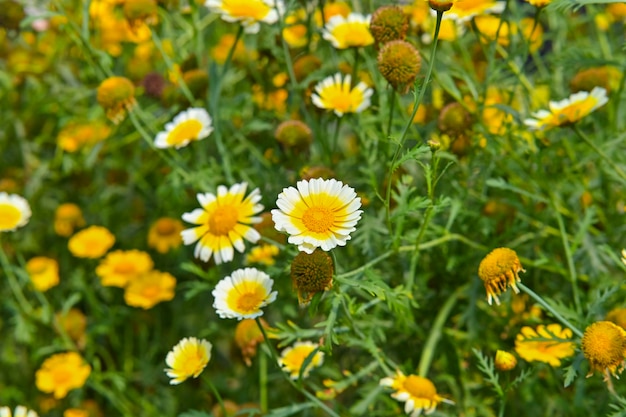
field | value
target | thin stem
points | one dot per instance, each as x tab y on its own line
392	105
545	305
170	66
600	152
307	394
25	306
263	383
335	140
206	378
428	351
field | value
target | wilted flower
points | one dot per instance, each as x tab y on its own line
116	95
400	63
389	23
311	274
61	373
294	134
242	294
604	346
499	270
292	359
187	359
248	336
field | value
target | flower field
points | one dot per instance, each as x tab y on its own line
331	208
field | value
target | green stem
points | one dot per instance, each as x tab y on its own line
263	383
304	392
207	379
428	351
23	303
600	152
547	306
335	140
170	66
570	260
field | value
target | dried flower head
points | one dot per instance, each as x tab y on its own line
116	95
316	171
311	274
499	270
454	119
294	134
399	62
138	12
389	23
587	79
604	346
248	336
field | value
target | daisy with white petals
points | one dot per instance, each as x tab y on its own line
317	214
187	359
242	294
569	110
418	394
351	31
20	411
223	222
189	125
248	12
337	94
14	212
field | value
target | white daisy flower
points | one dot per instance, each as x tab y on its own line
187	359
351	31
248	12
189	125
242	294
14	212
335	93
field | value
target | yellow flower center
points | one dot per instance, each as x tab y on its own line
242	9
352	34
337	98
194	362
185	131
318	219
125	267
247	300
604	345
223	220
420	387
575	111
9	216
151	291
165	227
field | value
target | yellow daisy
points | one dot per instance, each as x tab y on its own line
318	213
67	217
292	359
345	32
164	234
464	10
43	272
61	373
223	222
20	411
121	267
263	254
14	212
544	344
418	393
187	359
92	242
242	294
189	125
504	360
248	12
335	93
569	110
147	290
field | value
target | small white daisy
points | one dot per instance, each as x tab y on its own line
187	359
14	212
351	31
189	125
242	294
335	93
248	12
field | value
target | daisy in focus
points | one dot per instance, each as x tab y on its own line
335	93
346	32
14	212
548	344
187	359
248	12
292	359
318	213
20	411
569	110
418	394
499	270
223	222
189	125
242	294
464	10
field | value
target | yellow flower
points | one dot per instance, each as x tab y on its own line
92	242
164	234
76	135
295	31
43	272
67	217
243	294
14	212
190	125
545	344
617	316
223	222
505	361
337	8
61	373
292	358
187	359
248	336
569	110
539	3
20	411
220	51
464	10
74	323
149	289
120	267
417	393
319	213
346	32
335	93
75	412
604	346
263	254
248	12
499	270
116	95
